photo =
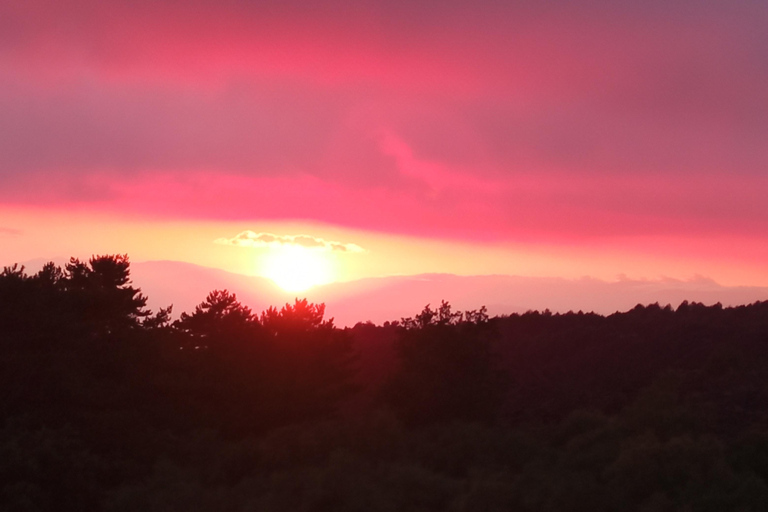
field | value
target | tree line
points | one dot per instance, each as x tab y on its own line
109	406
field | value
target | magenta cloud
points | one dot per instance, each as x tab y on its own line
484	120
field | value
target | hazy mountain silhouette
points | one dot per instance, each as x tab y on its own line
389	298
185	285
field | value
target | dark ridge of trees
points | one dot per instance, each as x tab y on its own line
447	370
108	406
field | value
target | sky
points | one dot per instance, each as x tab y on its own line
532	138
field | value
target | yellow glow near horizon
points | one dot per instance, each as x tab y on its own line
296	269
33	236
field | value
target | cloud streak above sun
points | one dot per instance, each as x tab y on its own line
253	239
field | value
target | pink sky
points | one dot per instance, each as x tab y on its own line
627	128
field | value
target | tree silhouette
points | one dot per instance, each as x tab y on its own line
446	368
312	361
651	409
101	293
302	316
81	303
218	321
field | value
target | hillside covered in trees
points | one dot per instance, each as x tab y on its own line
108	406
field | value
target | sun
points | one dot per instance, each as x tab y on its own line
296	269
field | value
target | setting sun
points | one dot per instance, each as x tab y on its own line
296	269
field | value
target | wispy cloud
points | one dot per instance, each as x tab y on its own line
9	232
253	239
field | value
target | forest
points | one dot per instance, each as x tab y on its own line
107	406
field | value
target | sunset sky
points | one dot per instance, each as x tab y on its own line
542	138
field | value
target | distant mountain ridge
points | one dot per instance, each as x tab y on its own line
380	299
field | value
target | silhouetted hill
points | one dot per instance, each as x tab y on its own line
185	285
390	298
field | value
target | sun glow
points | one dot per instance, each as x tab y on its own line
296	269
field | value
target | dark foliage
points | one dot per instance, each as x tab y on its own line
106	406
447	370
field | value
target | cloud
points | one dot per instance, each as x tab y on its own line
501	120
9	232
252	239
